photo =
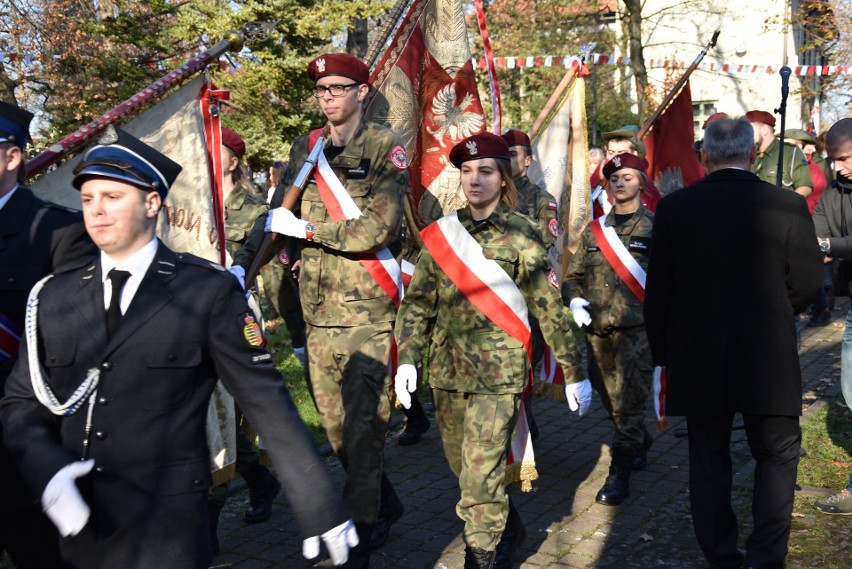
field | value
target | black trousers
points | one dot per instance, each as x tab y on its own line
774	442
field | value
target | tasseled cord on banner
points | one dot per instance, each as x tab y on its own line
87	390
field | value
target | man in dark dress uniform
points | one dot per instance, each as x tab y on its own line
36	237
105	411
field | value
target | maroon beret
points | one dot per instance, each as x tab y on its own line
478	146
761	116
620	161
233	141
515	137
342	64
714	117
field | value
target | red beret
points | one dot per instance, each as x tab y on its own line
478	146
342	64
761	116
233	141
515	137
715	117
620	161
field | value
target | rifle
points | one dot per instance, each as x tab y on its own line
291	198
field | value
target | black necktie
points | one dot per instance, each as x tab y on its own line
113	314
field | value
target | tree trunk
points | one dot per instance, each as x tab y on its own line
356	39
632	22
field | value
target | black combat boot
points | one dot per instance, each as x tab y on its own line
513	536
617	486
390	511
640	461
359	556
263	488
475	558
416	423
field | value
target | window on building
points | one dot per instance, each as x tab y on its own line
700	111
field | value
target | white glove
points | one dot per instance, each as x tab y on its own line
405	383
579	396
62	502
240	274
281	220
578	311
338	541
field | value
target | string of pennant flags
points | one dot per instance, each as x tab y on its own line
659	63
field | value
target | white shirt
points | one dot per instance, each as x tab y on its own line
137	265
5	199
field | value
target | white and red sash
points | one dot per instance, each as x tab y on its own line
487	286
631	272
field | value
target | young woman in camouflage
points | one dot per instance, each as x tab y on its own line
478	366
620	364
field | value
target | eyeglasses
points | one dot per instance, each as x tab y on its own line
123	166
335	90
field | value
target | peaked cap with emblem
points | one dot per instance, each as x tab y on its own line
14	124
761	116
121	156
343	64
516	137
621	161
630	132
478	146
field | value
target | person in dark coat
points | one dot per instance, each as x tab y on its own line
36	238
744	255
105	411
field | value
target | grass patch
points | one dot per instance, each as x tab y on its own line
827	438
279	344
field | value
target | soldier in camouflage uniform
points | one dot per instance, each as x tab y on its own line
620	363
348	314
477	370
796	175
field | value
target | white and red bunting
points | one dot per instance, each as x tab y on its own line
660	63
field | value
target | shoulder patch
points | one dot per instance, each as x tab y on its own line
553	226
551	205
551	278
251	330
398	157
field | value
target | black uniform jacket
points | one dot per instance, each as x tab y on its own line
36	238
185	327
732	260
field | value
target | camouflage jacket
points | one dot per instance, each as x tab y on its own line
590	276
241	211
468	352
335	288
537	204
796	170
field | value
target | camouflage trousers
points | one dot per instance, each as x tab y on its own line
622	372
283	292
476	431
349	374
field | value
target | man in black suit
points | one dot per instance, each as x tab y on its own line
36	237
733	259
105	411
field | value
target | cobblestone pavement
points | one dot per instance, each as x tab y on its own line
566	528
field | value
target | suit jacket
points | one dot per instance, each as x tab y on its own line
732	260
185	327
36	238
